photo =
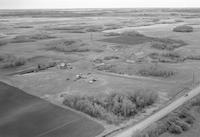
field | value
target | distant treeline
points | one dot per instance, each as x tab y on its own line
94	12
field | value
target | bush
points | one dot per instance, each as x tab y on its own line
171	55
22	39
141	135
98	61
143	98
132	33
159	45
107	68
177	120
69	46
183	28
189	120
162	128
111	26
68	42
45	66
111	57
9	61
166	46
175	123
41	36
112	108
65	49
156	72
175	129
92	107
193	57
167	57
171	41
24	27
184	126
152	133
196	101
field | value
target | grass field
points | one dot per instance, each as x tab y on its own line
23	115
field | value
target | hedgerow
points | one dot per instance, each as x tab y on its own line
156	72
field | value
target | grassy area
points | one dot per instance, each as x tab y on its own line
68	29
71	46
78	29
2	43
130	38
114	107
65	49
94	28
31	38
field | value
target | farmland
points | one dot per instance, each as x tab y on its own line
25	115
74	65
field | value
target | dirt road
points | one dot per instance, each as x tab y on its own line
160	114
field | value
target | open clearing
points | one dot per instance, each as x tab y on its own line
23	115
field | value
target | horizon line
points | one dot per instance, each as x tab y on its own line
101	8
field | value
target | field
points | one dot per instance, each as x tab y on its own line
23	115
53	54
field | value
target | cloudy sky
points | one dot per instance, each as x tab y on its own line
26	4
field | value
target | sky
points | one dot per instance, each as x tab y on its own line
43	4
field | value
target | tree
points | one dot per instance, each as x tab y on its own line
174	129
128	108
